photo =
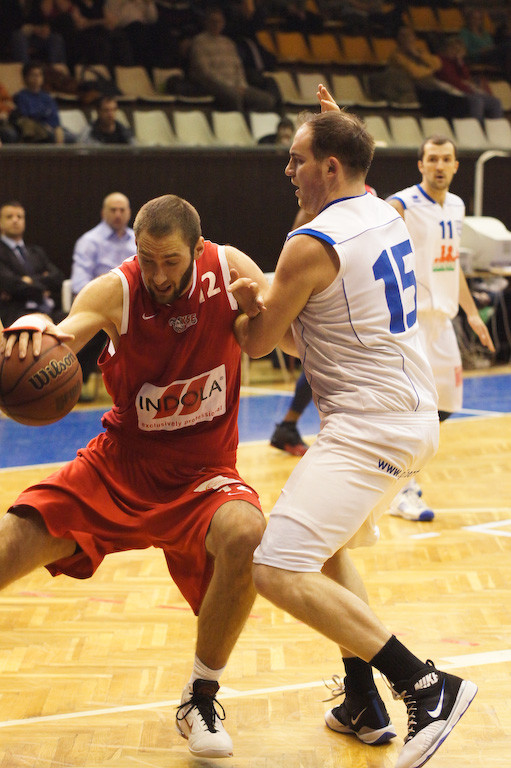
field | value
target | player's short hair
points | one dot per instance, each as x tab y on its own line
437	139
167	214
344	136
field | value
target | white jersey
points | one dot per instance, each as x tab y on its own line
358	339
435	230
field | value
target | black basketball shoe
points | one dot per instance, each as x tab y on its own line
286	437
435	701
362	715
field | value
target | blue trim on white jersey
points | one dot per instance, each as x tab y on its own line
341	199
399	199
313	233
425	194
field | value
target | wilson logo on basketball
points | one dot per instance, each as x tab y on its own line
52	370
182	403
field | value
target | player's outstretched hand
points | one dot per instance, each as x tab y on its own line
327	101
29	329
481	330
247	293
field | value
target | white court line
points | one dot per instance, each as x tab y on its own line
465	660
480	412
473	510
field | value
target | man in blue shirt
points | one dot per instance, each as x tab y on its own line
97	251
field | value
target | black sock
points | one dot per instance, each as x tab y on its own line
396	662
359	675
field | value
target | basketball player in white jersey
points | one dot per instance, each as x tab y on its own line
434	218
345	284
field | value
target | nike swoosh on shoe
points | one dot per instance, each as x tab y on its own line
436	711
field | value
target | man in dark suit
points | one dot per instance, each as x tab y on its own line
29	282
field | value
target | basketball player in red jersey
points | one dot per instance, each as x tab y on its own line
163	473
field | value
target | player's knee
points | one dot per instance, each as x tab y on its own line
239	534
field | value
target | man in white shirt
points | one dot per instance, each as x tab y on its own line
98	251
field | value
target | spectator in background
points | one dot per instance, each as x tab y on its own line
178	23
8	133
283	137
35	38
413	57
29	282
90	39
297	17
97	251
36	116
106	129
477	99
136	21
480	45
365	17
12	20
216	66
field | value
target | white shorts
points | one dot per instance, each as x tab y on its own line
441	347
343	484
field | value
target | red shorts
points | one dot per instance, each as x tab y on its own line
113	499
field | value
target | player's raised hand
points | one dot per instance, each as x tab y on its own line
327	101
247	293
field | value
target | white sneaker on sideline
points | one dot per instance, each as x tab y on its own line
199	719
409	505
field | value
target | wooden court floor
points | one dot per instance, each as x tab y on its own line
91	671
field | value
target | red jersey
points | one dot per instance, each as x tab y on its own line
175	376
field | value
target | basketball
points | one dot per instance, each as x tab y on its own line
40	390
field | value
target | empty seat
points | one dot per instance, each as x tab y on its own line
405	131
192	128
73	120
356	50
292	47
231	129
383	48
267	41
152	129
498	132
134	82
502	90
11	76
307	83
469	133
287	87
378	129
347	90
325	49
422	18
263	124
439	126
450	20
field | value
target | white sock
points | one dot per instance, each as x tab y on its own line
202	672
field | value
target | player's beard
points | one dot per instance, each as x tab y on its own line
183	285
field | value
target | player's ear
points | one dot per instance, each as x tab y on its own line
333	165
199	248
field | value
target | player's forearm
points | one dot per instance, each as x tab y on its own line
466	300
257	339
